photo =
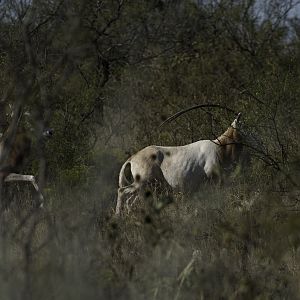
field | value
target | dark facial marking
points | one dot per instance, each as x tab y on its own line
168	153
138	177
153	156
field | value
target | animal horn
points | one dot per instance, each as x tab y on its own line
175	116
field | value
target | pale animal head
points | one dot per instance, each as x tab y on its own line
231	143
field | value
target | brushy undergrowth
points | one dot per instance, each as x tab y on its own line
228	242
104	75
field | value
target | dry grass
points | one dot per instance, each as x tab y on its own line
232	243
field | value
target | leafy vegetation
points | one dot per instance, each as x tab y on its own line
104	75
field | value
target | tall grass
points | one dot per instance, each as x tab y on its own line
233	242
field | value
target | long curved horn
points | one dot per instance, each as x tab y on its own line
175	116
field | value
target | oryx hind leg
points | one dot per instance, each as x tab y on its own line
125	194
132	199
28	178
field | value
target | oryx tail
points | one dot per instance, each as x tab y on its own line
125	177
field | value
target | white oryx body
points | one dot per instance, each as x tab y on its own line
184	168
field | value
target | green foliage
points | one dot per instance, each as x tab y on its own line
104	75
74	177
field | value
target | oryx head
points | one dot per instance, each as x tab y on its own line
236	122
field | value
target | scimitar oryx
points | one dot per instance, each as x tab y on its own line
184	168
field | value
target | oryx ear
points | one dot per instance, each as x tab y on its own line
235	123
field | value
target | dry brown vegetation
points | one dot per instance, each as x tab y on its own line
104	75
